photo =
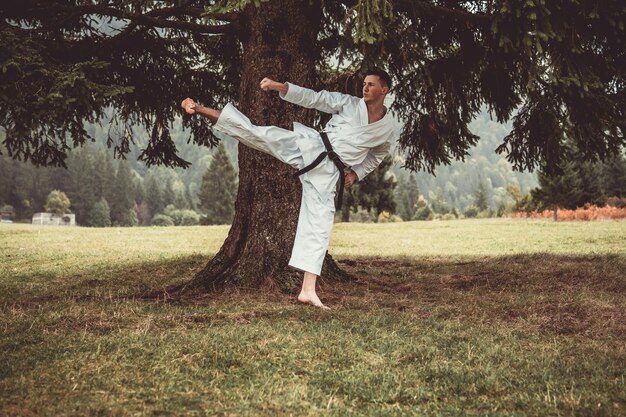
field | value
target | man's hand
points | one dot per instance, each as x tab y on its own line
189	105
267	84
350	179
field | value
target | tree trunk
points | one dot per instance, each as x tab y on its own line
277	44
555	213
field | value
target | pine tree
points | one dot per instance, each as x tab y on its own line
16	189
100	214
376	190
591	187
218	190
180	194
614	177
481	200
79	184
559	190
558	62
104	176
169	195
408	197
122	199
155	198
576	183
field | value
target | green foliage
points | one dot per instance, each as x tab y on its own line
162	220
64	65
559	62
361	215
91	175
480	198
155	197
457	183
376	191
183	217
471	212
123	200
423	213
386	217
407	196
7	212
100	215
79	181
580	182
219	188
57	203
614	177
438	204
129	218
189	218
371	20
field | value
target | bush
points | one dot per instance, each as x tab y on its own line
362	216
587	213
162	220
448	216
7	212
129	219
613	202
57	203
424	213
189	218
386	217
184	217
485	214
471	212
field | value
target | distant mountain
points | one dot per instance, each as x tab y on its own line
458	182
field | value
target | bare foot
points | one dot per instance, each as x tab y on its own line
312	299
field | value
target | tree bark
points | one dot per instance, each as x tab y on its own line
277	44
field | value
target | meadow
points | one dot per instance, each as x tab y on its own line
495	317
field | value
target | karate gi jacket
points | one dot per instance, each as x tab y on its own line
359	144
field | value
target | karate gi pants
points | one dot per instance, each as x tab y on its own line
317	209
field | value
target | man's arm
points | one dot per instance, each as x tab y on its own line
328	102
373	158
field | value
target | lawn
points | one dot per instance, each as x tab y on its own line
468	317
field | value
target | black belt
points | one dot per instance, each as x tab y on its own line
333	157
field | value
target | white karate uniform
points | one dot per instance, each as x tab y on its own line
360	145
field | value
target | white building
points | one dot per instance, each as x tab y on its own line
50	219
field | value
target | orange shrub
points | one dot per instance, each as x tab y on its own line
586	213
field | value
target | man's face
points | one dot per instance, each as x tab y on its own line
373	90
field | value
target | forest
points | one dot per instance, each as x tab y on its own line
105	191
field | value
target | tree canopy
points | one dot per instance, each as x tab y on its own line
555	68
57	203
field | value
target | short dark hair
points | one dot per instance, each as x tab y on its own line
385	79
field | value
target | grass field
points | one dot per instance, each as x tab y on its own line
471	317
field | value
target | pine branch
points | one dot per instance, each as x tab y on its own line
420	8
154	18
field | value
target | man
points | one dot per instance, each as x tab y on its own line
358	135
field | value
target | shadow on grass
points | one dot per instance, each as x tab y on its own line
106	282
565	295
541	292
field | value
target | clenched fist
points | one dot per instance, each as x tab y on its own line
189	105
267	84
